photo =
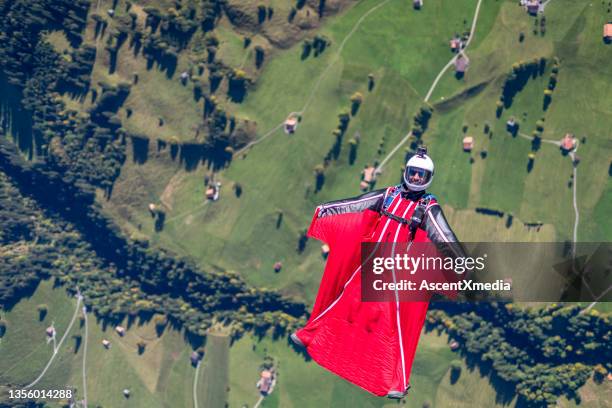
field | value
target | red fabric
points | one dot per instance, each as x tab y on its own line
371	344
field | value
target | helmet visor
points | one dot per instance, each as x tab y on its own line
417	176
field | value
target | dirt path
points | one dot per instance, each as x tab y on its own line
259	401
575	201
261	397
85	338
193	211
167	196
195	384
572	156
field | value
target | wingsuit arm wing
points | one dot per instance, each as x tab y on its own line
441	234
332	218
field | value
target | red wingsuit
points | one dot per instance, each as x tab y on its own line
371	344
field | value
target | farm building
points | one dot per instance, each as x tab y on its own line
455	44
264	385
468	143
510	124
195	358
532	6
291	125
462	63
568	143
367	177
607	32
120	330
106	344
212	191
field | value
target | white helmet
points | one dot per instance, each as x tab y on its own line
419	171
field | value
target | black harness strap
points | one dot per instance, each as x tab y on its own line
395	217
417	216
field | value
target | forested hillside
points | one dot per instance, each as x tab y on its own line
163	159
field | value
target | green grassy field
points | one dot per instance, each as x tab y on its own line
231	240
302	383
227	234
213	383
160	377
163	377
25	339
573	35
404	50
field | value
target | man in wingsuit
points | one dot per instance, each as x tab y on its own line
372	344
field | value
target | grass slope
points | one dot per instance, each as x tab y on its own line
305	384
161	377
212	387
501	181
227	234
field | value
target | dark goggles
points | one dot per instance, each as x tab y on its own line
417	176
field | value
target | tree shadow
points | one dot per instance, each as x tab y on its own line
454	376
140	149
191	154
489	211
352	154
547	102
319	181
112	64
159	221
299	349
214	81
78	339
25	291
237	90
513	85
